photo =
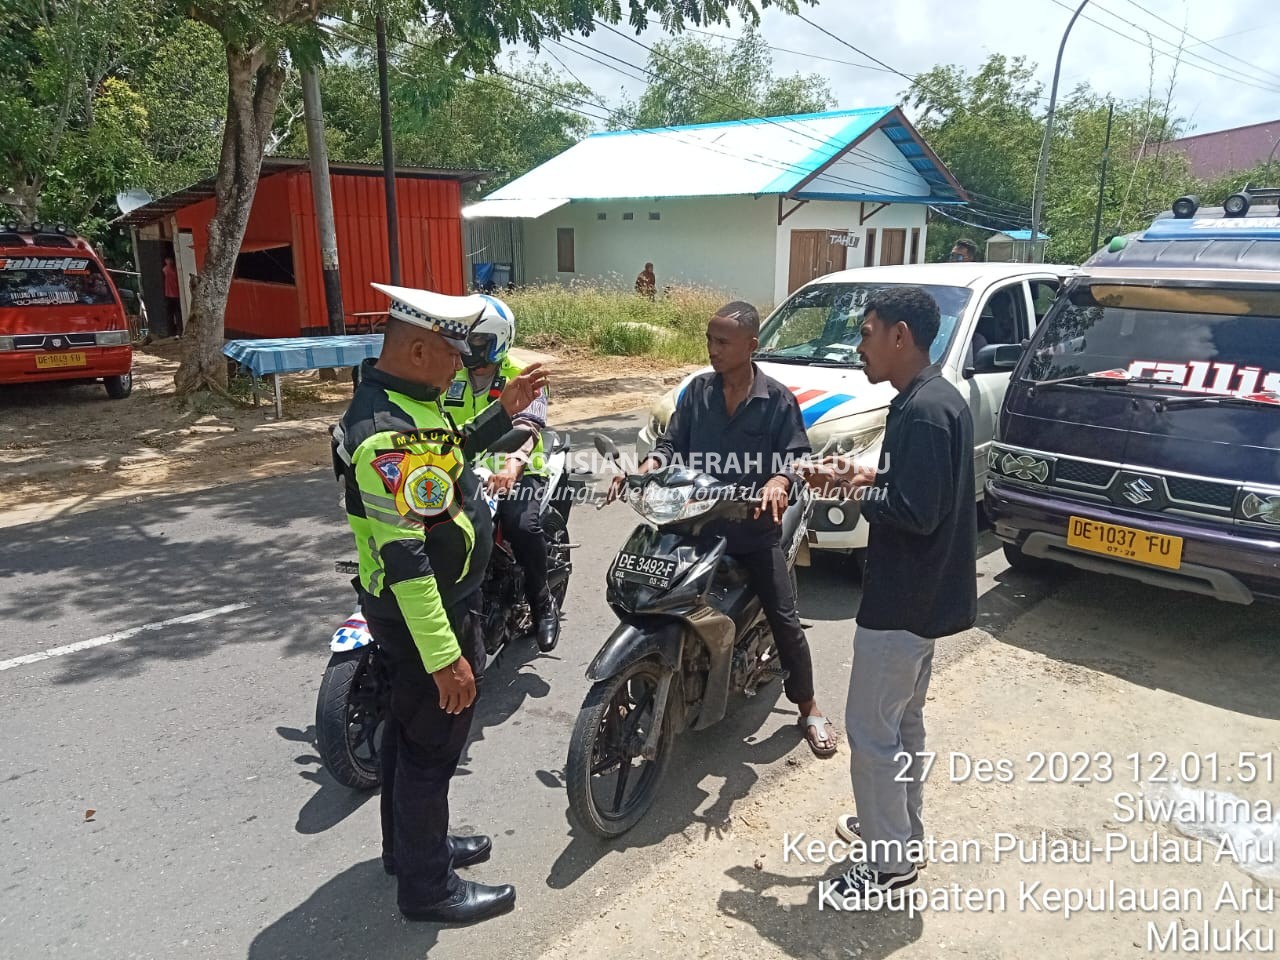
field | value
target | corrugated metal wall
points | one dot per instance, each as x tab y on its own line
430	220
431	254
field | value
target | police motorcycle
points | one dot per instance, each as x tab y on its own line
691	632
355	689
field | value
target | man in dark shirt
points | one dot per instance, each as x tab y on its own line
920	581
744	427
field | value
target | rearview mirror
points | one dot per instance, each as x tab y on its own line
995	358
606	447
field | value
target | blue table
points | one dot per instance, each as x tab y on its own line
293	354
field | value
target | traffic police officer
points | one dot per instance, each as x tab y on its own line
423	534
520	480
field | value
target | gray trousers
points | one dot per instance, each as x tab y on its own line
884	717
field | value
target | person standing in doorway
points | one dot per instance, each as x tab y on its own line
647	282
172	296
920	582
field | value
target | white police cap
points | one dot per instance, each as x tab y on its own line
450	317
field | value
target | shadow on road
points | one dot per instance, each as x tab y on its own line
1216	653
268	543
352	917
728	751
333	802
792	929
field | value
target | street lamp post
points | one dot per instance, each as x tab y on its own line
1042	171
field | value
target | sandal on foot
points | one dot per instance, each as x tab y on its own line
822	744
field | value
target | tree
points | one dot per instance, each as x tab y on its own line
505	123
260	36
988	128
71	120
700	81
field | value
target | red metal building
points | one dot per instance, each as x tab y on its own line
278	289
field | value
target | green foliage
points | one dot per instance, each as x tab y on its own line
701	81
988	128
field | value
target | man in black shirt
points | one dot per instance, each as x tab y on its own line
920	581
744	427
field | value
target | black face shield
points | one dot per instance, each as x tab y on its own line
484	350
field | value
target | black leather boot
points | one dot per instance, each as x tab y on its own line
473	902
546	616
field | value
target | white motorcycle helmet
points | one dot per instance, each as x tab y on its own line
491	335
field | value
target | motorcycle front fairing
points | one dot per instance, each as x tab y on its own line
352	635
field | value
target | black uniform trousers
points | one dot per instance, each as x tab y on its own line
522	526
771	582
421	747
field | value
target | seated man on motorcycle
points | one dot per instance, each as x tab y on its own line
751	426
520	480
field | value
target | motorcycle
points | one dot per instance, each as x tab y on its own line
691	632
355	689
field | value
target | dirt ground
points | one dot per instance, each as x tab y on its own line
1103	667
68	447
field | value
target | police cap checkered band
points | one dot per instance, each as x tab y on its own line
449	316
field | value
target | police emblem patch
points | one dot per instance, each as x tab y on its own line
428	490
455	392
390	468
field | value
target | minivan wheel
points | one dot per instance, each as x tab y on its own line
1026	563
119	387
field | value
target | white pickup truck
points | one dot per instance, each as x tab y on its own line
809	344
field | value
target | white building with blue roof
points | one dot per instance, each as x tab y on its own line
754	208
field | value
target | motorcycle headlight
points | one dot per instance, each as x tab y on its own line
662	505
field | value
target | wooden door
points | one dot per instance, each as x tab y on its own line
894	247
815	253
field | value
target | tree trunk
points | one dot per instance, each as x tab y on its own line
255	79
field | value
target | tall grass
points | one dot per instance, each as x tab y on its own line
616	322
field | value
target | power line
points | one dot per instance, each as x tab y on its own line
1235	76
1206	43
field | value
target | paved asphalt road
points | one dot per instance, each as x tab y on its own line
215	831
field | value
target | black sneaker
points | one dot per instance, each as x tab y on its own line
863	888
849	830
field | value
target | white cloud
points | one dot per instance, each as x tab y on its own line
914	35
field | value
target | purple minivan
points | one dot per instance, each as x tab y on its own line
1140	432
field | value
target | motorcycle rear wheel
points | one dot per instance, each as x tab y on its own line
349	718
612	725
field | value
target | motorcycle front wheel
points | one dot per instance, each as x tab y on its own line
610	785
349	718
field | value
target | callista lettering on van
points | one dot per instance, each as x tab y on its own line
1125	543
1203	376
68	264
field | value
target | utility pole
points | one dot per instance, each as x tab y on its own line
323	198
388	154
1102	183
1038	197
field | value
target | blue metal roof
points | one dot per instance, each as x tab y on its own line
841	154
1022	235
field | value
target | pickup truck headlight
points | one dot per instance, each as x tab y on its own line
112	338
852	444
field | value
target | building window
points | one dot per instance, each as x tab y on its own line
272	265
628	216
602	216
655	216
869	257
915	244
564	250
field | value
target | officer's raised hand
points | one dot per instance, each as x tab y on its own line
457	686
520	391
